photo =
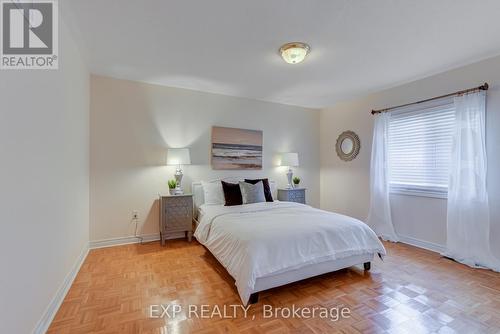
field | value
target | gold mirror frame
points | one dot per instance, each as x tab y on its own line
356	145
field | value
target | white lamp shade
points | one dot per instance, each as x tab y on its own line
178	156
290	159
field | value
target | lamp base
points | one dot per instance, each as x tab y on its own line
289	175
178	179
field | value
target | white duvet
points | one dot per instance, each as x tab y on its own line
264	239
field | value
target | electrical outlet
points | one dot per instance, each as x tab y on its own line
135	215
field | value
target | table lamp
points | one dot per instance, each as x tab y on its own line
178	157
290	160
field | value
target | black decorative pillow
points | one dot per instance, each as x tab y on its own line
267	188
232	193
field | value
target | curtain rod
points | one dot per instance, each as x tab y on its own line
482	87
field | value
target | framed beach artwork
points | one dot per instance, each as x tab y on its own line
236	148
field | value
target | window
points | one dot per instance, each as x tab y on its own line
420	142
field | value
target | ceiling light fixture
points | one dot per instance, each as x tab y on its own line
294	53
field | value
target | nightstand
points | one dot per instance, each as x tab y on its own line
297	195
176	215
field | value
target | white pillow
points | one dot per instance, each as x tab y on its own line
252	193
213	193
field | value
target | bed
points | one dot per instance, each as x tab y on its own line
269	244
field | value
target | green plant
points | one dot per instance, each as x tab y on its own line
296	180
172	184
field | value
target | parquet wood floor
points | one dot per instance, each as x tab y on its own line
412	291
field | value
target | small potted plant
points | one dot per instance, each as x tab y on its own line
296	181
172	184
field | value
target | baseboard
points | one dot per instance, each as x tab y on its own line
129	240
50	312
422	244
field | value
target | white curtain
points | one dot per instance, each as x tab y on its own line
379	216
468	225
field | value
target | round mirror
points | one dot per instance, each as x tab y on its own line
348	145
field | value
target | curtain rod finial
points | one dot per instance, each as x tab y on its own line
486	86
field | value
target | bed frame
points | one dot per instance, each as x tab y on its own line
287	277
290	276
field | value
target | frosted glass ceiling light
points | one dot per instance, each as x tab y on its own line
294	53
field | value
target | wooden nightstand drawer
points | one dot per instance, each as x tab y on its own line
176	221
177	201
297	195
176	215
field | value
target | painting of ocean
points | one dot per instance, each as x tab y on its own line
236	148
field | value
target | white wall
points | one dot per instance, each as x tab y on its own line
345	186
132	124
44	183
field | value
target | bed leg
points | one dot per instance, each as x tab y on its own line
254	298
367	265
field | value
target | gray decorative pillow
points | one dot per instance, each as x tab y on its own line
252	193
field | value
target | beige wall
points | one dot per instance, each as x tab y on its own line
132	124
44	183
345	186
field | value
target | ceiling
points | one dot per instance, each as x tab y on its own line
230	46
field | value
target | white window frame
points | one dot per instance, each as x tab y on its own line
416	190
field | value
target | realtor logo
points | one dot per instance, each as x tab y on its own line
29	34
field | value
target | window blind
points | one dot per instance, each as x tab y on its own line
420	142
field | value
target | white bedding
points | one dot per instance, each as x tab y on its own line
264	239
